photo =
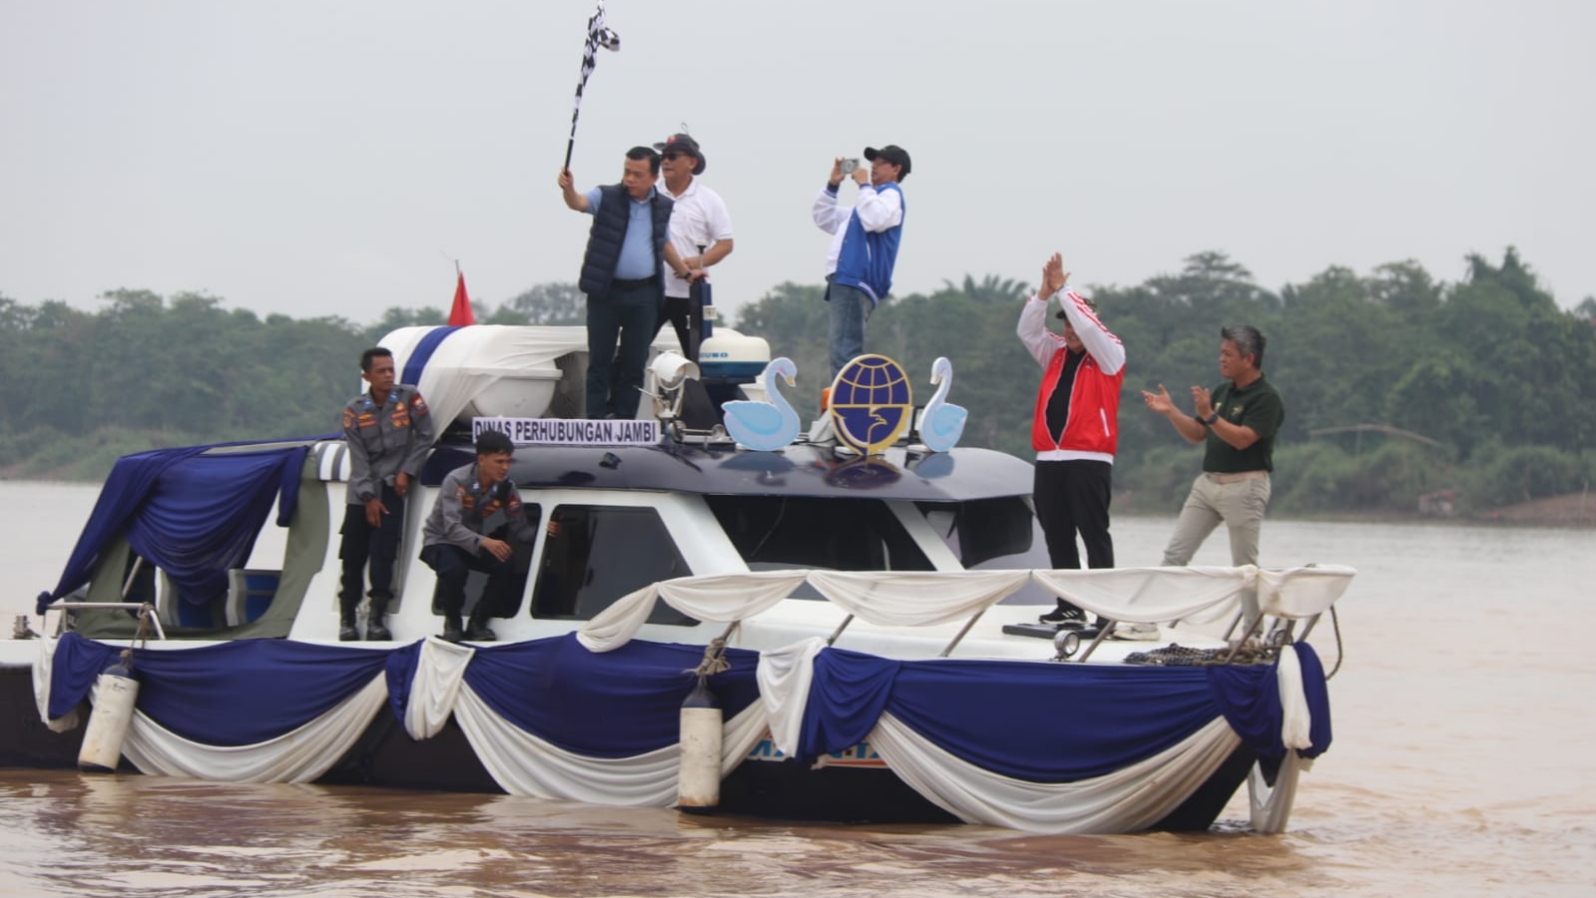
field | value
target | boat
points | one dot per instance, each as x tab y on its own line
854	611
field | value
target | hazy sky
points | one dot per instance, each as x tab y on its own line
325	157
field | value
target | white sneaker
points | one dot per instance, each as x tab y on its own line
1135	632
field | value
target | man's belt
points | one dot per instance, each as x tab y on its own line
625	284
1236	477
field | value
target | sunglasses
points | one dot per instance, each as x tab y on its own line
676	155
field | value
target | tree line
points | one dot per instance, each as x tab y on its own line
1396	384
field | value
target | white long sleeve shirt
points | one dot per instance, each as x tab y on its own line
878	211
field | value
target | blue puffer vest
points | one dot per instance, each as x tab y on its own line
609	231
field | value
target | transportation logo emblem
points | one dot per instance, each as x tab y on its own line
871	403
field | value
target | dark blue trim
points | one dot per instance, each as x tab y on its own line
423	353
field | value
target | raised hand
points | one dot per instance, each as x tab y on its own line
1054	277
1159	402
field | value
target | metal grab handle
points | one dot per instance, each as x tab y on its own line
145	609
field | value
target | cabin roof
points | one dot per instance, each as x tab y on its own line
801	469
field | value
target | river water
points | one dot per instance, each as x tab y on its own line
1463	716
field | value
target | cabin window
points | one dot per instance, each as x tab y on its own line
595	554
986	530
809	532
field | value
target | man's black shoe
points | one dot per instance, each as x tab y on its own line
376	632
348	632
480	633
1065	617
452	631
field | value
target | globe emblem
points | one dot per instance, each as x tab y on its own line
871	402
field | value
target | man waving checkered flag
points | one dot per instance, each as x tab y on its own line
598	35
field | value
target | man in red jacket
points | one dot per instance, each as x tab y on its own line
1076	427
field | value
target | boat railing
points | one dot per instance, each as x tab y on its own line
148	617
1193	596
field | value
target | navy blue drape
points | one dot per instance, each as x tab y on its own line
605	705
1050	723
1041	722
192	515
232	693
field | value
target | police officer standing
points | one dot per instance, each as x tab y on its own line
388	430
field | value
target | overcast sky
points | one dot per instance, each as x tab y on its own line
329	157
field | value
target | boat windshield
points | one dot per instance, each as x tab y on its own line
812	532
993	534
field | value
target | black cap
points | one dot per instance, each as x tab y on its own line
892	153
683	143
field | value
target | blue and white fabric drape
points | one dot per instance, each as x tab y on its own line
1035	746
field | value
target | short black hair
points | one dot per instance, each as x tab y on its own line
1248	342
493	442
371	355
645	153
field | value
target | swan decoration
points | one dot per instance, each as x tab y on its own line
942	424
765	426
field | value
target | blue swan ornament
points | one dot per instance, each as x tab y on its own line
765	426
942	424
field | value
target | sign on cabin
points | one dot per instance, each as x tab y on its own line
570	431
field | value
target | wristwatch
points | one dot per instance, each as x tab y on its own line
1209	421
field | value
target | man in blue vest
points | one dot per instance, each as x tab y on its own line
621	277
864	245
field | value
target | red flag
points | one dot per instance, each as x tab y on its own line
461	313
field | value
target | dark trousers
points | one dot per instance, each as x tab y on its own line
453	565
1072	496
379	545
625	315
675	310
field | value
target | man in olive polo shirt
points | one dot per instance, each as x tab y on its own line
1237	423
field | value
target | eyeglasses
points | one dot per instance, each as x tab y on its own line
674	155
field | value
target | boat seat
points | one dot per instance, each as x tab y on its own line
249	593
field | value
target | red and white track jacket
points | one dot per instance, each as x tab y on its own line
1092	431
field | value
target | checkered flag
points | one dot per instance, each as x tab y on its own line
598	35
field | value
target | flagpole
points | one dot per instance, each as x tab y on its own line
597	36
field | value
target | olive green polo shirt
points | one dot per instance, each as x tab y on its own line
1257	406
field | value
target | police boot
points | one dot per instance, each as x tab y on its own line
375	631
348	628
451	628
477	629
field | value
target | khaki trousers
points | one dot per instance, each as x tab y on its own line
1240	505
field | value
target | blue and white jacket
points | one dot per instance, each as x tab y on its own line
865	236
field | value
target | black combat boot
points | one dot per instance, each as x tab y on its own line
375	631
477	629
451	628
348	629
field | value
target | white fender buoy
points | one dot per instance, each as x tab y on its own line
698	777
115	695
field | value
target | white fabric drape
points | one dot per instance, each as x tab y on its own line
435	687
1127	800
1300	592
720	597
1296	719
43	669
472	360
523	764
1202	598
1269	807
784	676
916	598
298	756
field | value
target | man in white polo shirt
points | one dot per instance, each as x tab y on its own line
701	228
